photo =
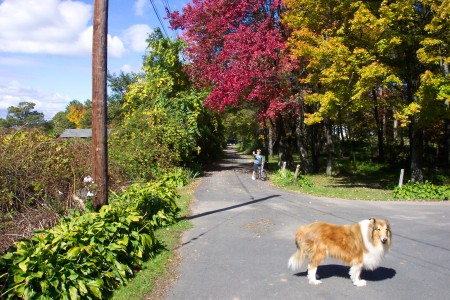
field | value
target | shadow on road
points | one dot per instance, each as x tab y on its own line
221	210
207	213
327	271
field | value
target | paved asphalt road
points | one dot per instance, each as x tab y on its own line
243	236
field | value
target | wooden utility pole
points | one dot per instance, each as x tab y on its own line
99	97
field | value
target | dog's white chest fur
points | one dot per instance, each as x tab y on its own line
371	259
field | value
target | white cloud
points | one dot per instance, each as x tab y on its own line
139	7
56	27
17	62
126	68
48	103
135	37
115	47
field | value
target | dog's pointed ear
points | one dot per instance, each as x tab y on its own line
372	222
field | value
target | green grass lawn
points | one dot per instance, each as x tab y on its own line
341	187
351	180
357	180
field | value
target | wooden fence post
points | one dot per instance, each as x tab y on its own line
400	181
296	173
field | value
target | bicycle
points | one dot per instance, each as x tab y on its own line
261	173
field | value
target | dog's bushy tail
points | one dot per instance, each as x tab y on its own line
296	260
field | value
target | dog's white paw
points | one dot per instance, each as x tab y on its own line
315	281
360	282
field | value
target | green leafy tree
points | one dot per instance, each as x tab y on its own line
366	56
86	118
25	115
242	126
435	54
61	123
163	75
75	111
4	123
165	123
119	85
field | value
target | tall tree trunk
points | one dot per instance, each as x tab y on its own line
447	134
447	122
379	123
416	153
283	155
300	132
412	67
276	142
315	147
266	142
270	139
330	148
395	127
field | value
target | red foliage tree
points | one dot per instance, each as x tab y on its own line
236	47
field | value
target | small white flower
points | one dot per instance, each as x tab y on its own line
88	179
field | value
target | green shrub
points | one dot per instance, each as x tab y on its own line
84	257
179	177
423	191
89	256
286	178
156	201
36	169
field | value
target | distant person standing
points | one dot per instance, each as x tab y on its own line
257	162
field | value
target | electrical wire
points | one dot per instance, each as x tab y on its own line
159	17
168	12
166	6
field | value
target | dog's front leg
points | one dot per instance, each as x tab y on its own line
355	273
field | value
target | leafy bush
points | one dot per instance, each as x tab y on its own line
176	132
88	256
286	177
424	191
36	169
140	145
156	201
84	257
179	177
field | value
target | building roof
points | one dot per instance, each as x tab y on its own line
78	133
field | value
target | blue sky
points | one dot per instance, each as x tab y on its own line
46	47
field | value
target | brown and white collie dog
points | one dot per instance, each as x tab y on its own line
361	246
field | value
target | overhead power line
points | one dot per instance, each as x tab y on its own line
167	6
159	17
168	12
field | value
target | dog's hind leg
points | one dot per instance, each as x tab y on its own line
312	276
314	262
355	273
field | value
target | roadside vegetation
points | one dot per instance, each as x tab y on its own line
363	181
159	273
53	244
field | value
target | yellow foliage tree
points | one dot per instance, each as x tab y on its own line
75	113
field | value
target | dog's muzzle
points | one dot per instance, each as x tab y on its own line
384	240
